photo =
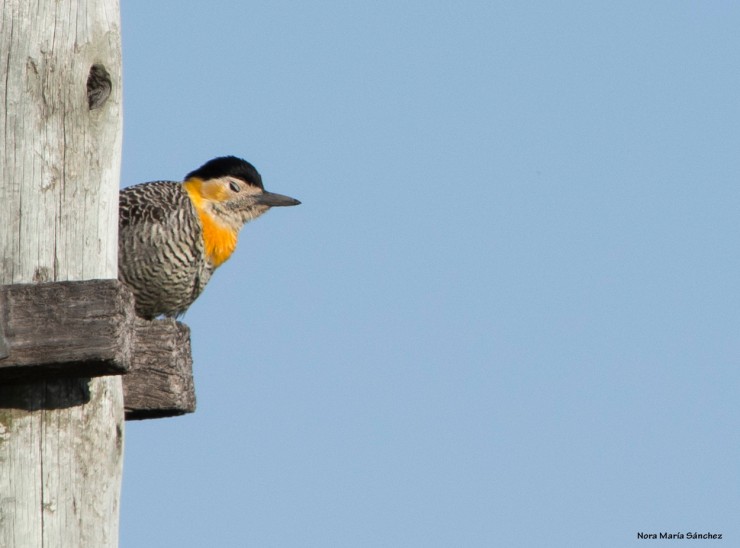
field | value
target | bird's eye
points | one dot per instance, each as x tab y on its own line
234	186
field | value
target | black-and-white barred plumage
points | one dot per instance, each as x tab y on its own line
172	236
161	252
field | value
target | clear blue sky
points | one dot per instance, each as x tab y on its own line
507	311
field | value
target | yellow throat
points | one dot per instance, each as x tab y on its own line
219	239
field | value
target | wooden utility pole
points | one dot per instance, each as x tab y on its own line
61	441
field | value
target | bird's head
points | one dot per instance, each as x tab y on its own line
230	190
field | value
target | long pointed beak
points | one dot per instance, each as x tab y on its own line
275	200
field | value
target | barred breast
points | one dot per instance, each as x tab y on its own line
160	248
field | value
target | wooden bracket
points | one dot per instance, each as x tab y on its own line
66	329
88	329
160	383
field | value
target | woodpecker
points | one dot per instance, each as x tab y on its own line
173	235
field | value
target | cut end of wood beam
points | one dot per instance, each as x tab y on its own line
160	382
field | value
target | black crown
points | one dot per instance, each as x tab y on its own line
228	166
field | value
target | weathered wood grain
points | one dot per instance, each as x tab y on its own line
71	329
88	329
160	382
61	441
